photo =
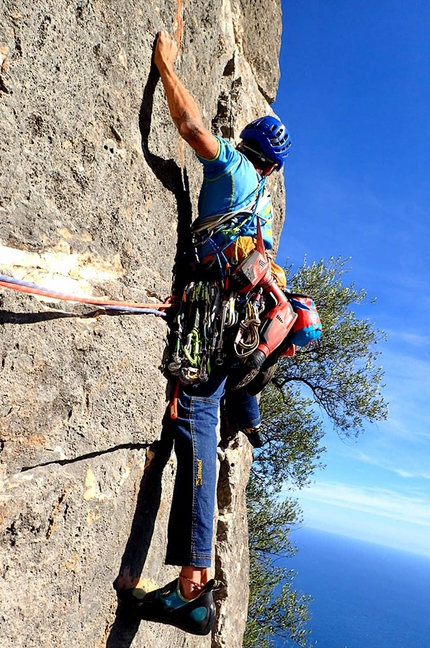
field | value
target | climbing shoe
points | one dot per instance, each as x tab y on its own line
244	372
264	376
253	436
167	605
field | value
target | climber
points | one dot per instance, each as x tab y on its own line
234	184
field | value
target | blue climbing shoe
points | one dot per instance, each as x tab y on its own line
167	605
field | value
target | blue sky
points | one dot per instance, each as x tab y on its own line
355	94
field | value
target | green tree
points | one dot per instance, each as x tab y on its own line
336	379
341	370
275	608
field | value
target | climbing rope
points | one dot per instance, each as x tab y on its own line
107	304
248	336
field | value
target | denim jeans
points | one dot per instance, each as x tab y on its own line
190	529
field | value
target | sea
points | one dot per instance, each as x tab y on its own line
365	595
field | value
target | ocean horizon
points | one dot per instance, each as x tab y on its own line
365	595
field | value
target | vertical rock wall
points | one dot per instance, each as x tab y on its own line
93	181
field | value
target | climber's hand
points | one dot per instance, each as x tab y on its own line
166	50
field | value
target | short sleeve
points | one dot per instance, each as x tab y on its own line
223	162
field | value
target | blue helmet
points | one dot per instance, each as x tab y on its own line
272	137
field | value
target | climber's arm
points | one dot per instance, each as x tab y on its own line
183	109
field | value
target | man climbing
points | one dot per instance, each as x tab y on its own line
234	183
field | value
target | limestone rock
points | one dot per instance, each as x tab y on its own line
93	183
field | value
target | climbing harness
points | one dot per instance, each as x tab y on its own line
213	234
244	317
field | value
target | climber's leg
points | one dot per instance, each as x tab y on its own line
190	530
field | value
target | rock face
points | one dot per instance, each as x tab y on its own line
93	184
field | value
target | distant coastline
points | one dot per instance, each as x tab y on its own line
365	595
386	548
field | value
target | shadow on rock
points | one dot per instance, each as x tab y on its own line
136	551
12	317
175	181
170	174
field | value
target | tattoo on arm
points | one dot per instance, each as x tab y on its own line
181	119
188	126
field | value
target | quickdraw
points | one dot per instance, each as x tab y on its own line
211	319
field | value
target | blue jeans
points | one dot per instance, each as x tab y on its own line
190	528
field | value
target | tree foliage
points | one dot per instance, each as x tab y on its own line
341	369
336	379
275	608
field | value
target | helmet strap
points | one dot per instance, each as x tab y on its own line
261	159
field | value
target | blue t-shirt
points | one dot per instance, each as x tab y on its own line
231	184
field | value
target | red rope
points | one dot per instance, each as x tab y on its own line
32	289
